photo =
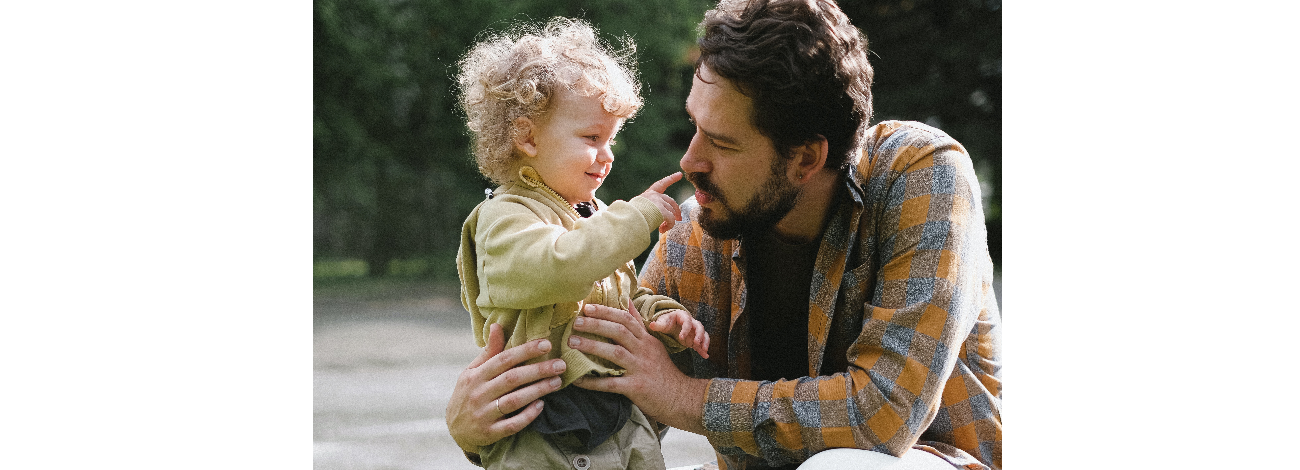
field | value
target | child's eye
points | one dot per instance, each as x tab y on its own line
592	138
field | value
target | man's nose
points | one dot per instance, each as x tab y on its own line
693	160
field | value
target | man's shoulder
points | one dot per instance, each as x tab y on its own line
895	133
895	146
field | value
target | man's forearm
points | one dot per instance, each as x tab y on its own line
680	405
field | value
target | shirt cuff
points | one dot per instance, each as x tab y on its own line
648	210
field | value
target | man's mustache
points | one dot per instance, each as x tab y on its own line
702	183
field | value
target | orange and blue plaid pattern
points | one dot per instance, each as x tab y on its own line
904	332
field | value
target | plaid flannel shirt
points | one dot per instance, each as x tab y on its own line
904	332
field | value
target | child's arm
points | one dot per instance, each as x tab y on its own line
525	261
669	321
688	331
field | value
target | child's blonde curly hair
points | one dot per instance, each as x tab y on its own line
514	74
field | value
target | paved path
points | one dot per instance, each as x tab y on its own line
385	363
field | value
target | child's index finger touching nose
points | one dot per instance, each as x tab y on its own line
663	184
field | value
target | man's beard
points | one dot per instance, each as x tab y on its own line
776	198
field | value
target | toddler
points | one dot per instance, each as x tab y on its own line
543	105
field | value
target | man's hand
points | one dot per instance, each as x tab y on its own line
688	331
662	392
473	416
667	206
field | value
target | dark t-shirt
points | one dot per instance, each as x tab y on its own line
778	279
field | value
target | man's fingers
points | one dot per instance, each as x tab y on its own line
516	423
540	378
482	357
506	376
495	344
496	339
663	184
600	384
527	395
631	311
619	325
509	358
620	316
612	352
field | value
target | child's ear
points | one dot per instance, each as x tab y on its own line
524	139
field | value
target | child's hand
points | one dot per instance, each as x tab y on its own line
689	331
667	206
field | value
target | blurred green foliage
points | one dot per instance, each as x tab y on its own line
338	268
393	176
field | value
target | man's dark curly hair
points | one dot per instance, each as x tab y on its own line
801	62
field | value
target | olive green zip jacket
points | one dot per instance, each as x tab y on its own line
528	262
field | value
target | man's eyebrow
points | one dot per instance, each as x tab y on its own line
722	138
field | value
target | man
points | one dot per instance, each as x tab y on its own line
841	271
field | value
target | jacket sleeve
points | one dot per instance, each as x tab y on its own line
919	304
526	262
651	306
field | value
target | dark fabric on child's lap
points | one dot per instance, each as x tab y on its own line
580	419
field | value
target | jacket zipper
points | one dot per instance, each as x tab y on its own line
600	286
557	196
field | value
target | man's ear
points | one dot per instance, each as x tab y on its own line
807	159
524	138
